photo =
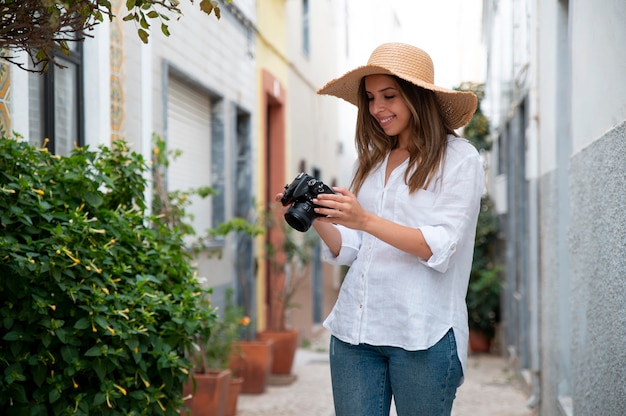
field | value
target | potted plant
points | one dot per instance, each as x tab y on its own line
210	384
219	348
251	358
213	389
296	250
483	294
205	392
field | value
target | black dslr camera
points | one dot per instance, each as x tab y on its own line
299	194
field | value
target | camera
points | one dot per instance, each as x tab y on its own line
299	194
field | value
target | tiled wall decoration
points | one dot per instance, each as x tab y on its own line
5	98
117	71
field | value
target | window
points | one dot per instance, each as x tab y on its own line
56	103
305	28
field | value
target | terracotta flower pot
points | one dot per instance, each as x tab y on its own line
233	395
479	342
210	395
252	360
283	350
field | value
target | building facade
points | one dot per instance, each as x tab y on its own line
295	40
195	90
557	103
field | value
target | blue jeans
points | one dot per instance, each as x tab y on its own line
365	377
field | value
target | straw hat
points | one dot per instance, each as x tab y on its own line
413	65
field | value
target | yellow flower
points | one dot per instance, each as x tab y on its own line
69	254
245	321
120	388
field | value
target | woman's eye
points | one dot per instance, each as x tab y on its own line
389	97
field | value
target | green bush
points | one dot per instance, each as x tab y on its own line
98	300
485	285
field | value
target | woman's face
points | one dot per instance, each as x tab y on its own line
387	106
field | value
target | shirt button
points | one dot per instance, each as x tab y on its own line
361	306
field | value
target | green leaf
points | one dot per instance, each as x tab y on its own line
143	35
54	395
143	22
102	323
12	336
69	354
82	323
16	348
99	368
165	29
14	373
45	339
7	322
39	410
39	374
19	394
99	399
93	199
95	351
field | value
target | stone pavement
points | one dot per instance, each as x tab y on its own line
490	389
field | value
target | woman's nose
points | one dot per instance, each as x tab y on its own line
375	106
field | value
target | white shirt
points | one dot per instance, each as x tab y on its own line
393	298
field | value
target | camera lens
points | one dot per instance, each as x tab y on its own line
300	216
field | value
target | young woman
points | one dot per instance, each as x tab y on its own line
406	228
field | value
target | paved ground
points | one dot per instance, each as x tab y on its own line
490	389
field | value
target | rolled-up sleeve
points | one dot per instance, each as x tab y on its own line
441	245
350	243
456	211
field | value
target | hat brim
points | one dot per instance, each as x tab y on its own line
457	107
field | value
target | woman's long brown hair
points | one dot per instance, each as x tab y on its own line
427	149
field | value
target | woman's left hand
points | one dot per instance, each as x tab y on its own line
342	207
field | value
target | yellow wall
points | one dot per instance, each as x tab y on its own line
271	51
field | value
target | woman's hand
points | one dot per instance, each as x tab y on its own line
342	207
277	198
327	232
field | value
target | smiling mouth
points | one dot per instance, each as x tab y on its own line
384	122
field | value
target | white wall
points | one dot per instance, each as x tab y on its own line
311	123
215	57
97	82
599	65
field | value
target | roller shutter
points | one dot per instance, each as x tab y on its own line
189	130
